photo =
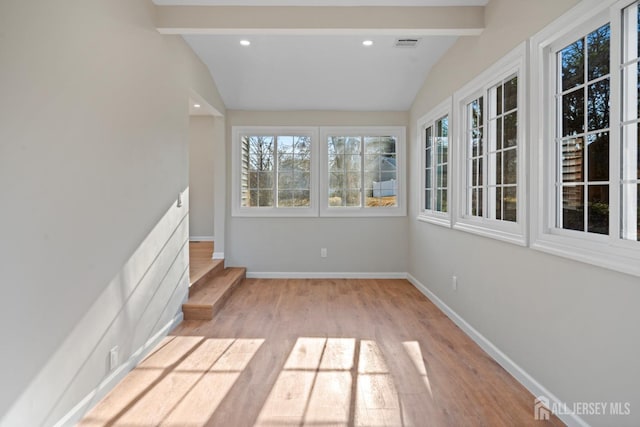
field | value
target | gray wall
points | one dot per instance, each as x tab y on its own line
93	154
572	326
361	245
202	132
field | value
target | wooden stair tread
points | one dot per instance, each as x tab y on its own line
206	270
206	299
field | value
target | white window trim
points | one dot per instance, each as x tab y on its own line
432	216
516	233
400	133
239	211
608	251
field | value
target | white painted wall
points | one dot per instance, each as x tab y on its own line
571	326
362	245
202	132
93	154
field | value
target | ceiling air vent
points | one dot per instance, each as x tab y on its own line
407	42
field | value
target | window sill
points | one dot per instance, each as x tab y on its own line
618	257
441	220
508	233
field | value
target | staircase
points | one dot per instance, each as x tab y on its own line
212	284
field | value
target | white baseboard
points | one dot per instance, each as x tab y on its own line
335	275
201	238
502	359
218	255
77	412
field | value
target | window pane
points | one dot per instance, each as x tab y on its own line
428	138
352	145
427	199
499	109
510	204
353	180
336	145
302	145
441	201
352	162
265	180
598	105
285	199
598	157
442	176
285	144
572	60
510	166
498	133
499	203
598	209
285	181
499	168
475	113
265	198
285	162
573	208
301	198
353	197
443	148
475	173
302	180
511	129
511	94
476	143
598	51
572	160
573	113
427	178
631	92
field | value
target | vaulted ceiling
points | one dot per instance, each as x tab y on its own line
313	57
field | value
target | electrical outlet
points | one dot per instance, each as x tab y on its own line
113	358
323	252
179	202
454	283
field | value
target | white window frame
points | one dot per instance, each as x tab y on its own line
515	62
397	131
428	120
609	251
237	210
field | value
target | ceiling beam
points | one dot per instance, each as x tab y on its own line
409	21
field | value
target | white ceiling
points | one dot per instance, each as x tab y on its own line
321	2
317	72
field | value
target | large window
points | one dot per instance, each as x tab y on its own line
362	171
491	166
586	174
630	158
434	165
274	171
582	140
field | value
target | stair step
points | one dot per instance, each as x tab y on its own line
207	270
209	297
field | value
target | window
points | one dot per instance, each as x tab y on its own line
434	162
491	180
274	171
586	166
362	171
582	139
630	158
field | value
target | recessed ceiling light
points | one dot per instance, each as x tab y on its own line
245	42
196	105
367	43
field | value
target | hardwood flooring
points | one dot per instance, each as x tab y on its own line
200	262
319	353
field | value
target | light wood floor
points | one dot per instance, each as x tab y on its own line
320	353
